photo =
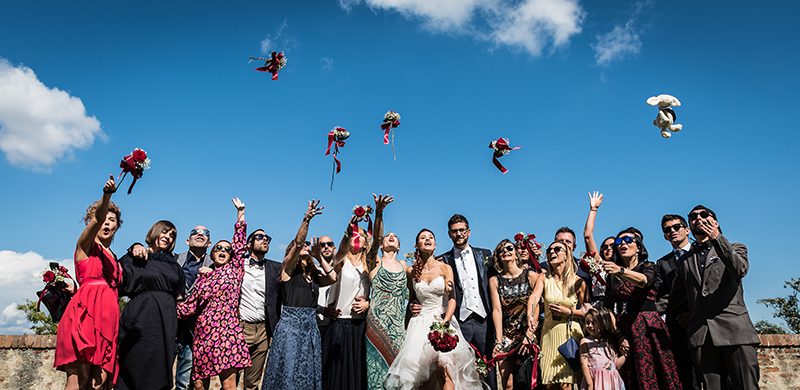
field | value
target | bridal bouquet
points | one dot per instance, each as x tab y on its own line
336	139
362	212
594	267
55	299
275	62
135	164
390	120
501	149
527	242
442	337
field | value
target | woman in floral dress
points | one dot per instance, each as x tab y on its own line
219	347
385	329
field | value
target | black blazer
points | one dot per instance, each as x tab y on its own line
272	295
667	269
482	260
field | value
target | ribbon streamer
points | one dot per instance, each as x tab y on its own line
534	259
272	65
534	361
386	127
356	236
128	165
333	142
499	146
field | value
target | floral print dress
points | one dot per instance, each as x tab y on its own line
218	338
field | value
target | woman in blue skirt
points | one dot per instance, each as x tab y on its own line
295	358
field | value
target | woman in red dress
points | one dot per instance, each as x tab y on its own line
86	346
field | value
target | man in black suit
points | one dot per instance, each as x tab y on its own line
260	305
676	231
709	278
471	273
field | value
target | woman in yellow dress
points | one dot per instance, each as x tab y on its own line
562	291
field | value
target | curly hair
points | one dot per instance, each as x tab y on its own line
92	210
419	263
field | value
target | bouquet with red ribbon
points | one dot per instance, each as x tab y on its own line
274	63
336	139
501	149
593	266
527	242
390	120
361	213
442	337
54	279
135	164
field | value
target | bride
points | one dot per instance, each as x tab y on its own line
431	283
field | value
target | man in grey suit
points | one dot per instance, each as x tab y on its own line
721	335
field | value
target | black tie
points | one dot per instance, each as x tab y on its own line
259	262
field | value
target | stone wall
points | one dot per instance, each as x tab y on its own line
28	363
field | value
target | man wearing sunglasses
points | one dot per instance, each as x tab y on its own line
191	261
327	248
676	231
260	304
721	335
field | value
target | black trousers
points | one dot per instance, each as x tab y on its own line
730	367
478	332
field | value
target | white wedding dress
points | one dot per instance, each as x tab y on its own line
417	360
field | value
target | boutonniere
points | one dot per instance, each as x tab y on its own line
485	260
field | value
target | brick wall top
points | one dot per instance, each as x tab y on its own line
779	340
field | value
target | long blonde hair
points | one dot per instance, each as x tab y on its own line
365	247
568	276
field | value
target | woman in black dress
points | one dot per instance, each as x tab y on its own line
149	323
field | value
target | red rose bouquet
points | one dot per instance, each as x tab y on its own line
361	213
442	337
336	139
390	120
527	242
135	164
501	149
594	267
275	62
55	280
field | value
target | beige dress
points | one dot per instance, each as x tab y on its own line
554	333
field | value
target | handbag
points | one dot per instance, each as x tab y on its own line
569	350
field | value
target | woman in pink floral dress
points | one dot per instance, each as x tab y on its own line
219	347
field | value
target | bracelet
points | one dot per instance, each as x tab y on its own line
109	192
591	209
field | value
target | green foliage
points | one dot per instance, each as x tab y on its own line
766	327
41	320
788	308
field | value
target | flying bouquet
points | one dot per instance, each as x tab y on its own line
527	242
273	64
501	149
336	139
593	266
55	299
361	213
390	120
135	164
442	337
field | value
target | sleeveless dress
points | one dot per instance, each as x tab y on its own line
295	355
417	360
149	323
514	294
602	367
88	330
554	333
218	337
385	324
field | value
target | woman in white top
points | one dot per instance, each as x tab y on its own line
344	357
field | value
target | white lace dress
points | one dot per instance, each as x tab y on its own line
417	361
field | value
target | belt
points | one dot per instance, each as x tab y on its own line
638	307
253	323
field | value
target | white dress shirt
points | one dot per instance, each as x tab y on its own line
254	286
470	284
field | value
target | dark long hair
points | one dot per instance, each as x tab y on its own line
641	250
605	325
419	264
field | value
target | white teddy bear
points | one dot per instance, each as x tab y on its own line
666	116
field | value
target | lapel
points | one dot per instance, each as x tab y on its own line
450	259
479	266
692	263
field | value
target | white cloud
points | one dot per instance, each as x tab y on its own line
40	125
277	41
21	278
327	63
622	40
526	24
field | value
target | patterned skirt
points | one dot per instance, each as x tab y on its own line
295	357
651	365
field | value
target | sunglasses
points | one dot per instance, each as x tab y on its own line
507	248
626	240
674	227
204	232
555	249
701	214
220	248
260	236
327	244
308	243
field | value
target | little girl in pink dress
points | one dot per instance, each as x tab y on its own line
599	360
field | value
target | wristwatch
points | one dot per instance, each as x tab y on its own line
622	270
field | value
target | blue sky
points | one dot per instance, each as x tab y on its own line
82	85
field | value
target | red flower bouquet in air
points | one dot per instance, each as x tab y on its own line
528	242
501	149
336	139
442	337
361	213
135	164
594	267
275	62
390	120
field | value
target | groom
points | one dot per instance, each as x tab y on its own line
471	273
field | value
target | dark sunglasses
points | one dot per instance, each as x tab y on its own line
204	232
555	249
220	248
308	243
700	214
674	227
327	244
626	240
260	236
507	248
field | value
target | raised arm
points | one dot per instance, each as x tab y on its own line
296	246
86	239
344	246
239	236
381	201
595	200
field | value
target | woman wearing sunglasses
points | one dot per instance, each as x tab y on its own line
562	290
295	360
632	293
219	347
510	291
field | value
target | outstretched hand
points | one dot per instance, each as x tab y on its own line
381	201
238	204
314	209
315	248
110	187
595	200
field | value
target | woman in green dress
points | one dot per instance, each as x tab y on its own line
385	320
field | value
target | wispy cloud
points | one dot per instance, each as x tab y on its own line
278	41
528	24
39	125
622	40
327	63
